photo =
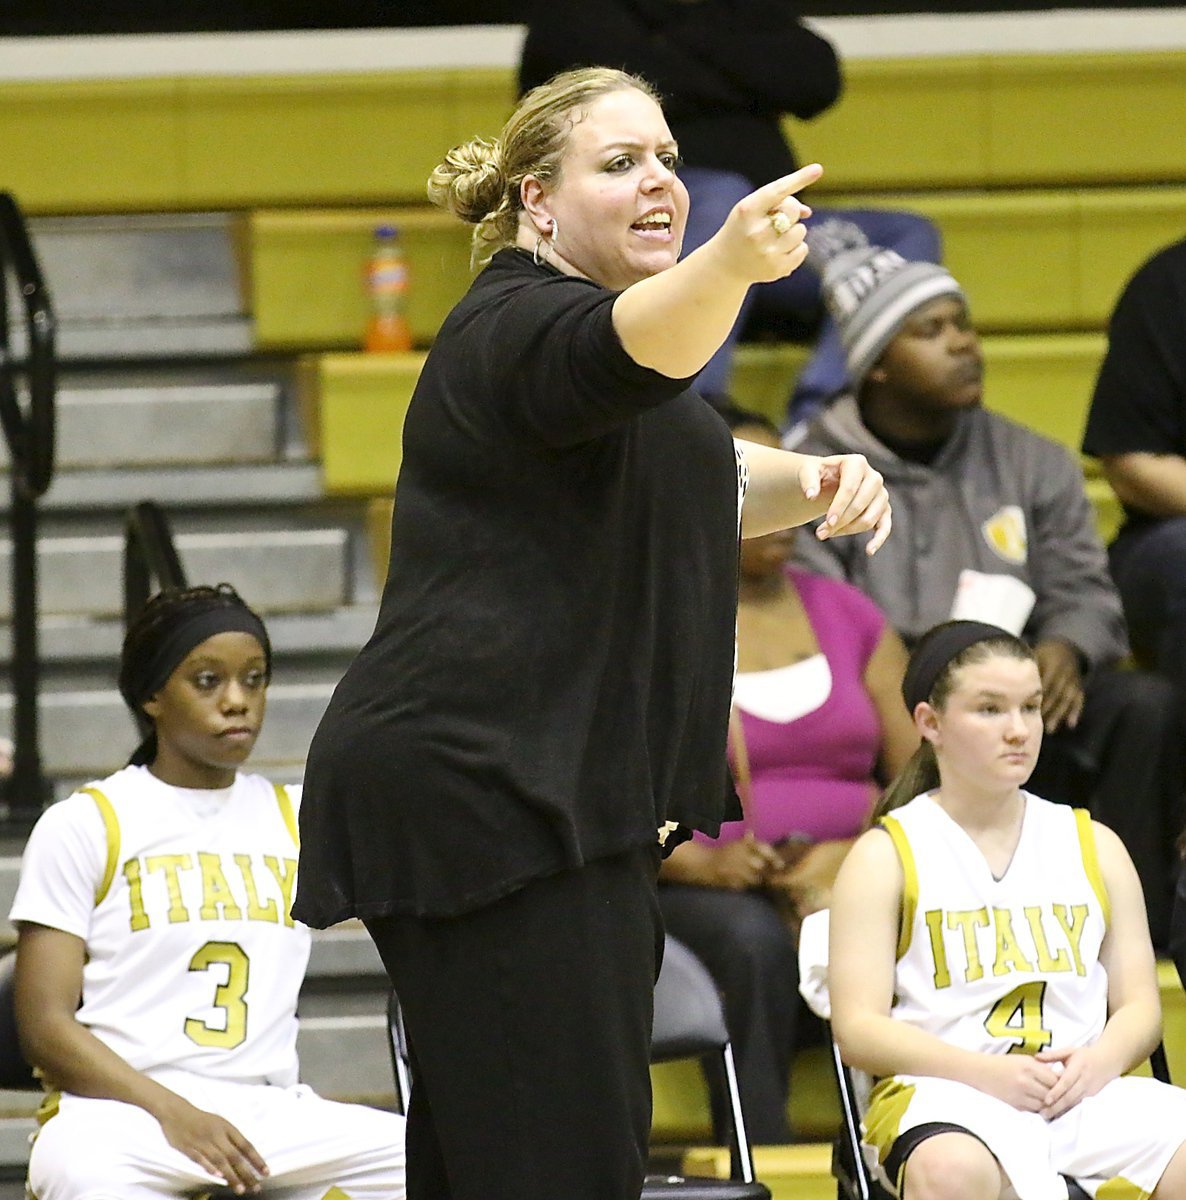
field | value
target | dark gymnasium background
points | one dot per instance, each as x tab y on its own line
58	17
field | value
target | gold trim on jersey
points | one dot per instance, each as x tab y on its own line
48	1108
888	1102
893	827
111	826
287	813
1119	1188
1091	862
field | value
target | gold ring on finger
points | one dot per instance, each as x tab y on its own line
781	222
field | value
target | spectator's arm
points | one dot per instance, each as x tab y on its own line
1136	424
883	682
1151	483
1077	601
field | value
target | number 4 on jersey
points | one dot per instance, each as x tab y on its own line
1018	1017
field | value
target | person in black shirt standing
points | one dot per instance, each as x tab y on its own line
548	683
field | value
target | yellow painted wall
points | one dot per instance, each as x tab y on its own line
306	272
191	143
219	142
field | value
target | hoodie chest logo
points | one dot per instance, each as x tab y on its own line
1005	534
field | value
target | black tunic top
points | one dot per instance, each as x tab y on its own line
549	677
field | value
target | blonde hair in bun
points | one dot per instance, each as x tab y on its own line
480	180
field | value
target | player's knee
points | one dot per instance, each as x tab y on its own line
73	1177
951	1166
72	1162
1172	1184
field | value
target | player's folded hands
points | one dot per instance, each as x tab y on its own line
1018	1079
1082	1071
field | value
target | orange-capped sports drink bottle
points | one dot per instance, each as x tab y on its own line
387	285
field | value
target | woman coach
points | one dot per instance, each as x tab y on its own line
548	682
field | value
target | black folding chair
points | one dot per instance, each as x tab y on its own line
15	1072
689	1023
854	1180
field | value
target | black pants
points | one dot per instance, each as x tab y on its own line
529	1027
1123	762
1149	565
751	955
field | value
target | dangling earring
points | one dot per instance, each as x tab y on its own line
536	256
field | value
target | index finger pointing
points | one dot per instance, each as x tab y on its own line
773	193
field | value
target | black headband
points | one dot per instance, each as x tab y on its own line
142	685
936	648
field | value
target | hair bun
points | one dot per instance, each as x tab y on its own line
469	182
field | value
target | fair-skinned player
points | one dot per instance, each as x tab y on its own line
990	963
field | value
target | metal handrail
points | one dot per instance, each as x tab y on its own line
29	429
30	433
150	564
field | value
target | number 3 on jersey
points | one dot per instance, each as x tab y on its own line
1018	1017
227	995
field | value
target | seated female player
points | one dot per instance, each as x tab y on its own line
158	965
990	963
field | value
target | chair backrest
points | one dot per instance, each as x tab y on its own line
689	1020
15	1072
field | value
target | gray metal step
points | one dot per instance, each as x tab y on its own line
147	266
231	336
10	869
70	640
344	952
89	734
153	426
15	1132
117	489
347	1056
276	571
144	285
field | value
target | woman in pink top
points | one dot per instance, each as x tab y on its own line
818	724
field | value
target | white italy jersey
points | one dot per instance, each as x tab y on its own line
182	897
1001	965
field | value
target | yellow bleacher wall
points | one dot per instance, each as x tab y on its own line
930	123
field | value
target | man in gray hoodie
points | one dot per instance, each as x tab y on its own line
991	522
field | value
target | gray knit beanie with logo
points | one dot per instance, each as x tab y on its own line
870	290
